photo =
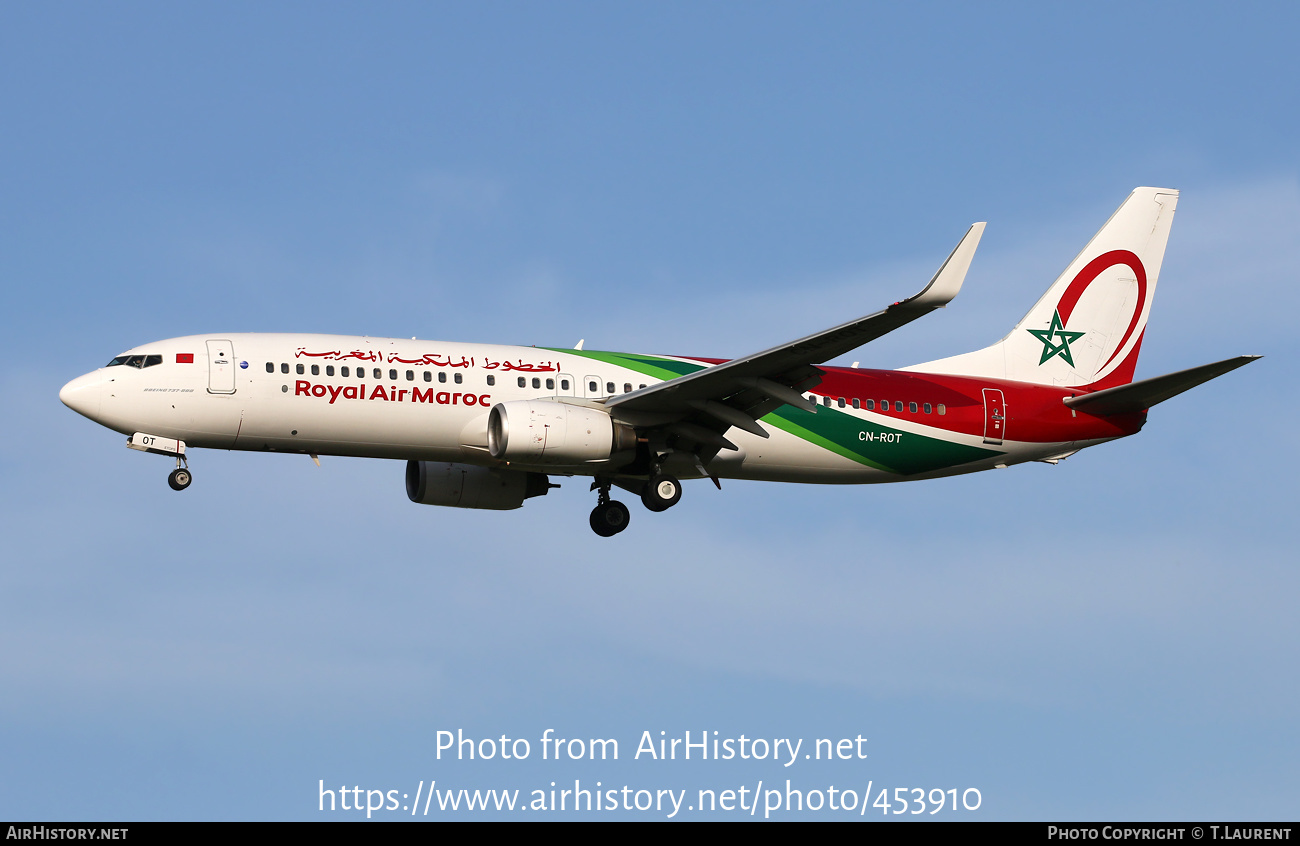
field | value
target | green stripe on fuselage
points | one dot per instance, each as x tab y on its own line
871	444
882	447
660	368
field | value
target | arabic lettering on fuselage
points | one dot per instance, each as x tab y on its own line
544	367
431	360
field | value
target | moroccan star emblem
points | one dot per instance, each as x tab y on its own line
1051	348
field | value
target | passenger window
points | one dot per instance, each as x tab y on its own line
857	403
871	405
841	402
442	377
609	388
564	384
315	370
428	377
492	380
379	374
537	383
301	370
826	401
392	374
639	387
523	383
550	384
284	368
911	406
942	410
343	371
457	378
410	375
592	387
270	368
926	407
329	370
627	387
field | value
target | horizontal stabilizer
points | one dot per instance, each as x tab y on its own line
1139	396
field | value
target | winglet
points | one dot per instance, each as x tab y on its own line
947	281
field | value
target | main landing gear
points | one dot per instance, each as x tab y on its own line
610	517
180	478
662	492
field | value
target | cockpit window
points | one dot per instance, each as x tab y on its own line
136	360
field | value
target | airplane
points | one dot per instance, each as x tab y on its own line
486	426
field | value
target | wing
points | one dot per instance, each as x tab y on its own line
701	406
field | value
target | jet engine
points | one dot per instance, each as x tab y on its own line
468	486
549	432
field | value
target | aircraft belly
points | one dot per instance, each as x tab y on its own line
784	457
216	421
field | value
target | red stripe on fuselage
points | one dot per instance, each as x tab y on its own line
1035	413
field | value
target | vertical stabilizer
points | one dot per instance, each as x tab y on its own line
1087	329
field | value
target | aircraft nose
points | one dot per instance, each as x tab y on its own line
83	394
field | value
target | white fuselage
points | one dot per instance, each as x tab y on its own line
414	400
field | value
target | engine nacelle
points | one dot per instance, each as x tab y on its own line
468	486
549	432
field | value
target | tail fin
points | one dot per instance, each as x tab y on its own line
1087	329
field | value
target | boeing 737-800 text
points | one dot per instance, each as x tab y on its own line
485	426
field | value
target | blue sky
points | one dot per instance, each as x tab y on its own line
1113	637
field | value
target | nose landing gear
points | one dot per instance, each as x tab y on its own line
180	478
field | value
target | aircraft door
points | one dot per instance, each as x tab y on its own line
995	416
221	367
